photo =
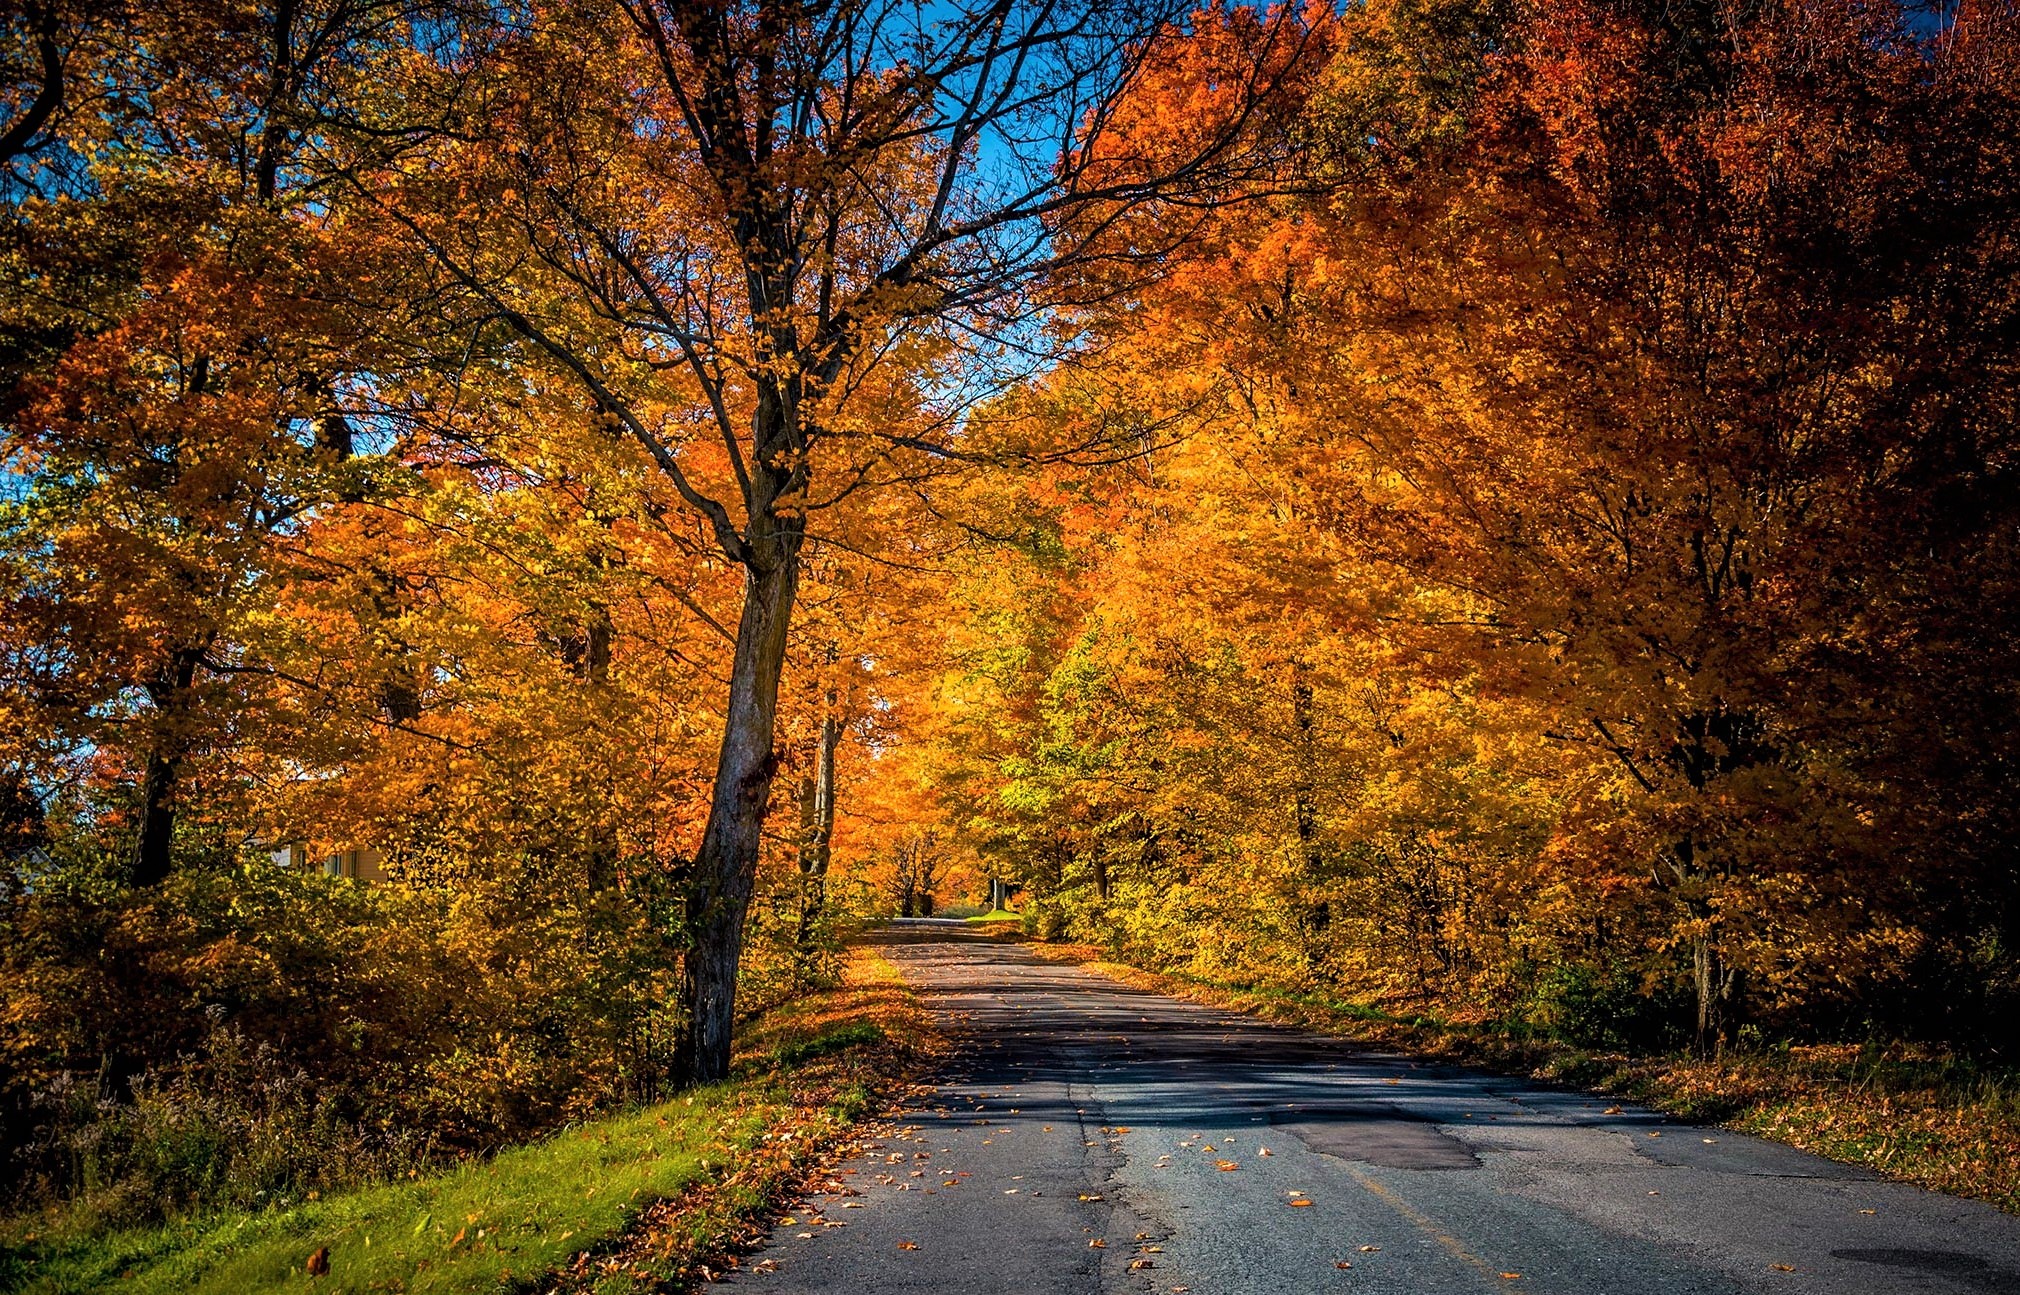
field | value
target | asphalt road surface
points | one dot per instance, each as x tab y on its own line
1090	1137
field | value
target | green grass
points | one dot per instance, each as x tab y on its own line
996	915
798	1052
478	1227
502	1224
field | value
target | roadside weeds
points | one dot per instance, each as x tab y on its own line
653	1199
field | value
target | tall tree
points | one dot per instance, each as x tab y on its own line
175	289
721	219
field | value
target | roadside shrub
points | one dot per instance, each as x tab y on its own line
1594	1008
236	1125
252	1036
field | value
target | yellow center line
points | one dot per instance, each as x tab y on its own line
1452	1244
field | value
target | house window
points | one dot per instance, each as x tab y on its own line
361	864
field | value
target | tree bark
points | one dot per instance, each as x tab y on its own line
1714	979
720	888
817	830
1704	973
152	856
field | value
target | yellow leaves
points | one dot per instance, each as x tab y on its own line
1300	1202
1226	1166
908	1245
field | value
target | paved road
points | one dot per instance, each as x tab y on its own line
1090	1137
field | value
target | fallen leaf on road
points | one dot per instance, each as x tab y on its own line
1868	1211
1264	1151
1509	1277
1097	1244
1783	1268
1341	1263
1138	1265
1654	1135
1300	1203
908	1245
1090	1196
765	1266
1225	1165
852	1205
1368	1250
1611	1110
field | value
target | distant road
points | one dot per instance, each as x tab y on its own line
1080	1112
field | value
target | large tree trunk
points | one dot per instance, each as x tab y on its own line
720	888
171	696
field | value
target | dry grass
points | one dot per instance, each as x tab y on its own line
1909	1114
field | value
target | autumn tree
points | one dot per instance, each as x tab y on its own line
1588	395
186	350
721	219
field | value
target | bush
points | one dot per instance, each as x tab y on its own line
231	1038
1595	1008
237	1125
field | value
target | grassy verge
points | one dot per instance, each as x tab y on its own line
1916	1116
631	1202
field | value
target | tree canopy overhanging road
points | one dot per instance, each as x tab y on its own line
1093	1137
